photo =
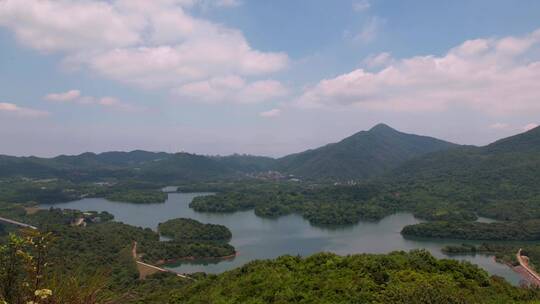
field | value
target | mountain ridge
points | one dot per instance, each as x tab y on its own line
362	155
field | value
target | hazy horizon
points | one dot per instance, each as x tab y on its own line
239	152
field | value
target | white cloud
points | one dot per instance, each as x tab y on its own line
361	5
68	25
63	97
196	60
270	113
150	44
499	126
10	108
75	96
232	89
530	126
495	76
379	60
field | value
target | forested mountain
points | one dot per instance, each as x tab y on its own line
504	156
500	180
184	167
114	158
152	166
71	166
363	155
509	165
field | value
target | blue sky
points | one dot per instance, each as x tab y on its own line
261	77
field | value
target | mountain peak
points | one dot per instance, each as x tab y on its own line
365	154
382	128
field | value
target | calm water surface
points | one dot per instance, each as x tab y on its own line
259	238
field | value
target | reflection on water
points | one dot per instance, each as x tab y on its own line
261	238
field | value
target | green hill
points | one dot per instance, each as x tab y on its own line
151	166
399	277
363	155
499	180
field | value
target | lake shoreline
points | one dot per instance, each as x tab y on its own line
164	263
264	238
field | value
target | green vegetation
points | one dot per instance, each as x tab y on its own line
182	229
49	191
28	276
498	181
321	205
399	277
103	250
138	196
503	252
105	245
503	231
46	191
111	238
135	165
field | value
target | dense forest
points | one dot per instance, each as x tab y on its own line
398	277
138	196
183	229
505	231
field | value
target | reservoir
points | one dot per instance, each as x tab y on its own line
260	238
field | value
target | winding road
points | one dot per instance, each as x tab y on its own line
524	262
5	220
147	269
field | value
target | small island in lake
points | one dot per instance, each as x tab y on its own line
189	229
138	196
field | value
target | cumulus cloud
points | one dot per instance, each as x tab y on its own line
68	25
530	126
233	89
75	96
195	60
495	76
150	44
10	108
270	113
379	60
